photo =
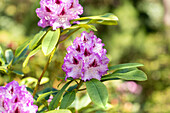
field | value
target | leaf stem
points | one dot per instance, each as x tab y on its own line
81	89
70	35
44	70
79	84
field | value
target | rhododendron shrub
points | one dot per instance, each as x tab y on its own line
85	63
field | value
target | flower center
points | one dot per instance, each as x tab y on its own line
86	52
78	48
71	5
12	90
85	40
93	64
75	61
3	104
47	9
16	100
17	110
62	12
57	2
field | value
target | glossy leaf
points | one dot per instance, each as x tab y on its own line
2	59
44	95
64	31
59	111
48	90
18	73
106	19
67	99
107	16
126	74
50	40
1	52
9	56
55	101
81	102
4	68
29	81
21	54
34	42
124	66
30	55
82	25
86	26
21	48
105	22
97	92
71	88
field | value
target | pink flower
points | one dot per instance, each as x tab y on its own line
16	99
86	58
131	87
58	13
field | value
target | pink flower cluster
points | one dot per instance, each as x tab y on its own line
130	86
16	99
58	13
86	58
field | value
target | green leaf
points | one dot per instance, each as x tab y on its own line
106	22
126	74
2	59
97	92
81	102
86	26
67	99
82	25
59	111
71	88
18	73
64	31
9	56
21	48
30	55
34	42
48	89
21	54
55	101
106	19
29	81
50	40
4	68
124	66
1	52
43	96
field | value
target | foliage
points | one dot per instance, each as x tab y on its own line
139	37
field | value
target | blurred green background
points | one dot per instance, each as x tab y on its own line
142	36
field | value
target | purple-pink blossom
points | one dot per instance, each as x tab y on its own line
58	13
130	86
86	58
16	99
